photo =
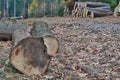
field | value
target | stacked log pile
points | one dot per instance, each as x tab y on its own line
91	9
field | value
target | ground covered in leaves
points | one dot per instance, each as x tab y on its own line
89	50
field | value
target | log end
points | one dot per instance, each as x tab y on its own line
52	45
30	57
5	36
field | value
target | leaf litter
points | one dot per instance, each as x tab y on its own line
89	50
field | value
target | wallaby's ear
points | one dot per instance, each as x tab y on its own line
52	45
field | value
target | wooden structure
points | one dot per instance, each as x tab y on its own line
91	9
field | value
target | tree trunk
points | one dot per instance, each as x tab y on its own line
96	4
25	9
19	35
33	52
14	8
40	29
7	27
7	4
99	9
2	8
98	13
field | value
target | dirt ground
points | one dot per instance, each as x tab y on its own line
89	50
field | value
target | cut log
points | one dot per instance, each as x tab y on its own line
52	45
99	14
99	9
19	35
40	29
105	7
5	36
9	21
96	4
7	27
31	55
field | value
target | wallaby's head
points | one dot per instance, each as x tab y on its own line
52	45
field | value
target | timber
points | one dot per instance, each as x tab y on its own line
98	12
32	52
96	4
40	29
30	56
19	35
8	26
90	9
